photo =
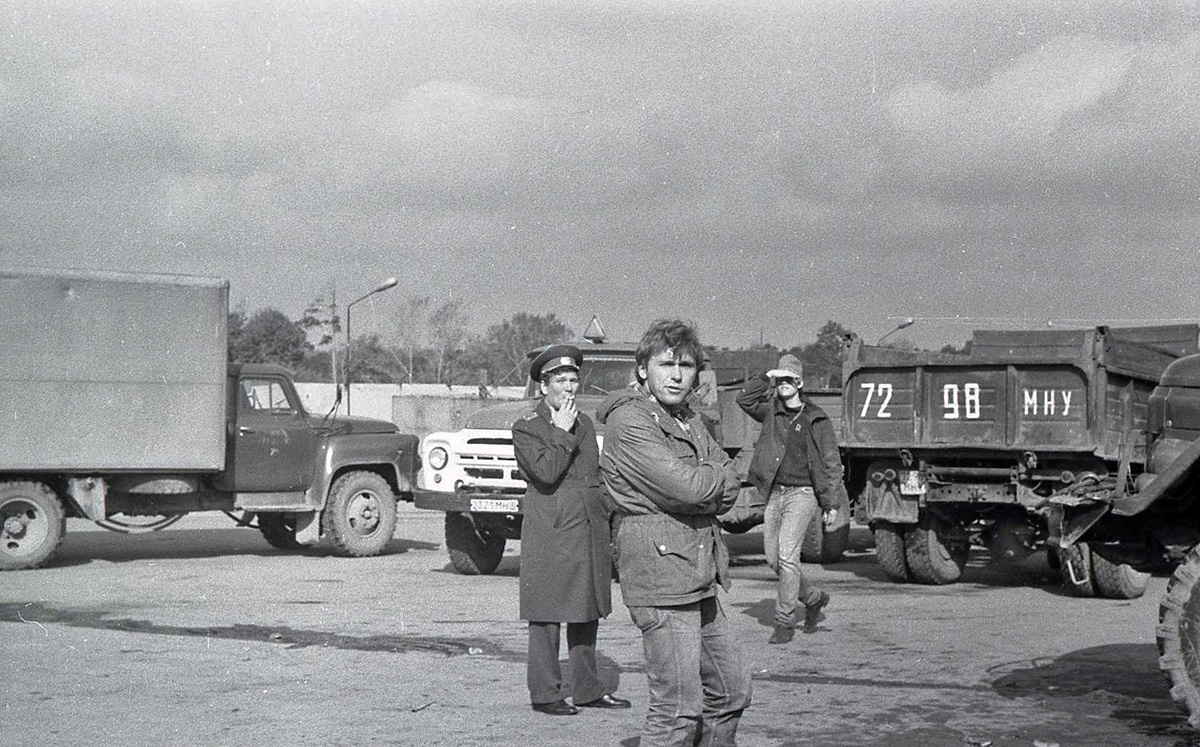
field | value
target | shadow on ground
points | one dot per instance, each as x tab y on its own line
79	548
1124	676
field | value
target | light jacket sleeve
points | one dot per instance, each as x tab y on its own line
755	397
544	457
648	465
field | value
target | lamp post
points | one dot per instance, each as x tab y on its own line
389	283
905	324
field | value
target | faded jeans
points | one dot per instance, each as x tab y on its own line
699	684
788	514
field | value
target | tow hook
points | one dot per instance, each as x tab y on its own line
1082	577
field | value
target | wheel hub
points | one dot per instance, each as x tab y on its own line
363	513
25	528
14	527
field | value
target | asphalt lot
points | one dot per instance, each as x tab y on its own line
202	634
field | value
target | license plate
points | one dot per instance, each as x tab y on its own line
911	483
495	505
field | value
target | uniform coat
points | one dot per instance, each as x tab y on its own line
566	550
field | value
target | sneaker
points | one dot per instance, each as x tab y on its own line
781	635
812	613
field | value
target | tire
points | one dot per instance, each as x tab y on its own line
931	560
279	530
1075	569
470	553
32	525
1178	635
824	547
360	515
1117	580
889	550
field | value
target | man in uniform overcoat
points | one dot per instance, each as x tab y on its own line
566	555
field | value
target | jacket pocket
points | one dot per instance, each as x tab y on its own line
681	567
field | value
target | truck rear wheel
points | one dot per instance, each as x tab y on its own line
931	558
824	547
1178	635
471	553
1117	580
279	530
360	515
32	524
889	550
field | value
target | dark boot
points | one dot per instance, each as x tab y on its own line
781	634
813	614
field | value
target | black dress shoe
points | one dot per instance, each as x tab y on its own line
606	701
556	708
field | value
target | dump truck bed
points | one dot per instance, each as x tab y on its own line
1057	391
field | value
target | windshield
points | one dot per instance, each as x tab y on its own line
599	376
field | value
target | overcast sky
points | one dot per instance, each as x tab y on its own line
755	167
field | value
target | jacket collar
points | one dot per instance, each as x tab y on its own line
679	425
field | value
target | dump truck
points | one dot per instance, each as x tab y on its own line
944	451
472	476
119	406
1150	519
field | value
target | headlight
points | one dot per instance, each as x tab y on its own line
438	457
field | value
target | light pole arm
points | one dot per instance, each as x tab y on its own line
905	324
389	283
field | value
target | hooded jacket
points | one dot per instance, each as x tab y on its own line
758	400
668	479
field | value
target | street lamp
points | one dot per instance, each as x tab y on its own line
905	324
389	283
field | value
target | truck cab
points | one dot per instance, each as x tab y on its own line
471	474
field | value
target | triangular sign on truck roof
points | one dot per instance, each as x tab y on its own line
595	330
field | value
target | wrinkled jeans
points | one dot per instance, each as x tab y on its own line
788	514
699	683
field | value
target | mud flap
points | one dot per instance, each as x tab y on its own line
308	527
884	503
1067	524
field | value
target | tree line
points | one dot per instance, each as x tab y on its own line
430	342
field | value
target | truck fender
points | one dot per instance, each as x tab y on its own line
336	459
1171	478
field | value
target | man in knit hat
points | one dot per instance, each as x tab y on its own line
797	467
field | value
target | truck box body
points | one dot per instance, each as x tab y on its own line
1052	391
112	372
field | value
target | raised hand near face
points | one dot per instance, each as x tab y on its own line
565	415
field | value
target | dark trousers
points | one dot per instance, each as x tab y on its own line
541	665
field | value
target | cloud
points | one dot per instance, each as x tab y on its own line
1053	117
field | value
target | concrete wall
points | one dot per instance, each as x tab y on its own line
419	409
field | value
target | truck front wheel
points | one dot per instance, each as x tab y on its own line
360	515
1116	580
471	553
32	524
1178	636
932	558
